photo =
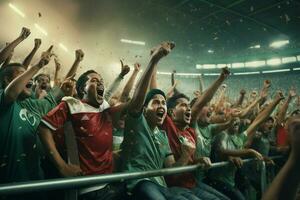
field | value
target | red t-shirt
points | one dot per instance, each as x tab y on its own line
282	137
93	132
186	180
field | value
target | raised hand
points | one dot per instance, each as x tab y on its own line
124	69
37	43
292	92
279	95
68	86
79	55
225	72
267	83
24	33
45	58
162	50
243	92
137	67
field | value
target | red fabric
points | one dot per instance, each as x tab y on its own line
93	132
186	180
282	137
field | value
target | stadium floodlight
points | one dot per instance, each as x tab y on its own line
211	74
257	63
290	59
238	65
255	47
164	73
198	66
210	51
17	10
276	71
188	74
246	73
133	42
296	69
298	58
38	27
208	66
274	61
221	65
280	43
63	47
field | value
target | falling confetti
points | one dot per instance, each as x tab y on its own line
251	8
40	14
228	23
287	18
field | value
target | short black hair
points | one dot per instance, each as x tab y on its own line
41	74
81	82
171	102
151	94
7	71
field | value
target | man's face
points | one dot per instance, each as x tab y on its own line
268	126
156	110
235	127
26	92
94	89
43	82
182	112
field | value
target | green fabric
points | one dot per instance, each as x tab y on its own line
118	136
203	146
224	141
143	149
19	152
261	143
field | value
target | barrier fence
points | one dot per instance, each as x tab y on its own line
87	181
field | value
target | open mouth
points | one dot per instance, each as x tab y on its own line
188	115
160	113
29	85
100	91
44	87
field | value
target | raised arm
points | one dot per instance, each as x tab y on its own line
128	87
125	69
28	59
282	112
201	84
78	58
14	88
174	83
6	52
208	94
286	183
57	81
136	104
241	97
261	117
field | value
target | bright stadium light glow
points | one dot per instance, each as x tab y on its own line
63	47
246	73
289	59
208	66
199	66
38	27
296	69
211	74
221	65
278	44
133	42
238	65
17	10
255	47
274	61
164	73
276	71
210	51
298	58
257	63
188	74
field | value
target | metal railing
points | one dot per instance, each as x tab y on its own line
79	182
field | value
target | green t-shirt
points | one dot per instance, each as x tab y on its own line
143	149
118	137
224	141
203	146
19	152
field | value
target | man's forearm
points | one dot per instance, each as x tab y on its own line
28	59
5	53
128	87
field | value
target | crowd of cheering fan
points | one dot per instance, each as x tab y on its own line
144	128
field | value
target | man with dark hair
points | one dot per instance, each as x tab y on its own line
41	85
177	126
19	118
